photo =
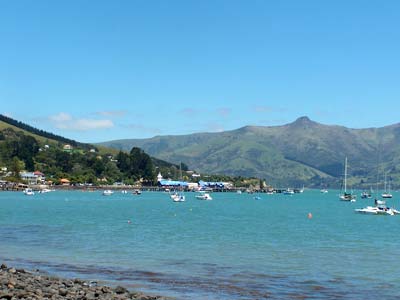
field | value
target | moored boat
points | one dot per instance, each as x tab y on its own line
29	192
203	196
107	192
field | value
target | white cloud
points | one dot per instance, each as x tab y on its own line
61	117
67	122
112	113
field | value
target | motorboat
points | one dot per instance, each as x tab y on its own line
203	196
124	192
380	208
137	192
324	191
108	193
178	197
29	192
257	198
387	195
288	192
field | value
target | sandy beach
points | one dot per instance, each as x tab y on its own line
23	284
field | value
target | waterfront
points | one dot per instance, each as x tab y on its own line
233	247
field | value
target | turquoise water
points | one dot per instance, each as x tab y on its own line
233	247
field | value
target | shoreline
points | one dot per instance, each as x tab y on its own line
24	284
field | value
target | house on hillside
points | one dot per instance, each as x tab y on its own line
67	148
36	177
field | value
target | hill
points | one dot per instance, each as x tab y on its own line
302	152
23	147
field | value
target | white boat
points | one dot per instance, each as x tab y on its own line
29	192
44	191
203	196
387	194
324	191
288	191
257	198
379	209
124	192
178	197
107	192
345	196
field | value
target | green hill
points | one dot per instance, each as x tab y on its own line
302	152
23	147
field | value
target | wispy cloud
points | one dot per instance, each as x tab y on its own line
67	122
112	113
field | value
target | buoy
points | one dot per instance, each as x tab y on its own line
309	215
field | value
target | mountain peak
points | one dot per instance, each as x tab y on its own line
303	121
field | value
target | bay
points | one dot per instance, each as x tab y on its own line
233	247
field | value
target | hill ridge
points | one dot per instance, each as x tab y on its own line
300	152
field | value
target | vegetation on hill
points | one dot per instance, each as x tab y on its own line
23	147
302	152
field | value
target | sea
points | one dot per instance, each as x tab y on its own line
301	246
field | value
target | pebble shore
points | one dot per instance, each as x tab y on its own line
21	284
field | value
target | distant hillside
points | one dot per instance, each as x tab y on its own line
302	152
41	134
23	147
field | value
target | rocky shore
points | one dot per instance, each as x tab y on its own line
22	284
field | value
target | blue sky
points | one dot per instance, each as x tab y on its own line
102	70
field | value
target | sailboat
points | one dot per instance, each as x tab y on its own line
387	194
345	196
179	196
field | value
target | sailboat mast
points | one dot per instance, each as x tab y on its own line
345	175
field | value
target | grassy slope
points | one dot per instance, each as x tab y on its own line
301	150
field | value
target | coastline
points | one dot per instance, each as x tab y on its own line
24	284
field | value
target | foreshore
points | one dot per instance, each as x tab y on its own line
23	284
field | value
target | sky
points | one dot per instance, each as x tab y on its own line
102	70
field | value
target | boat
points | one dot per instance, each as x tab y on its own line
366	195
386	194
257	198
29	192
380	208
178	197
44	191
345	196
107	192
137	192
288	191
124	192
324	191
203	196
